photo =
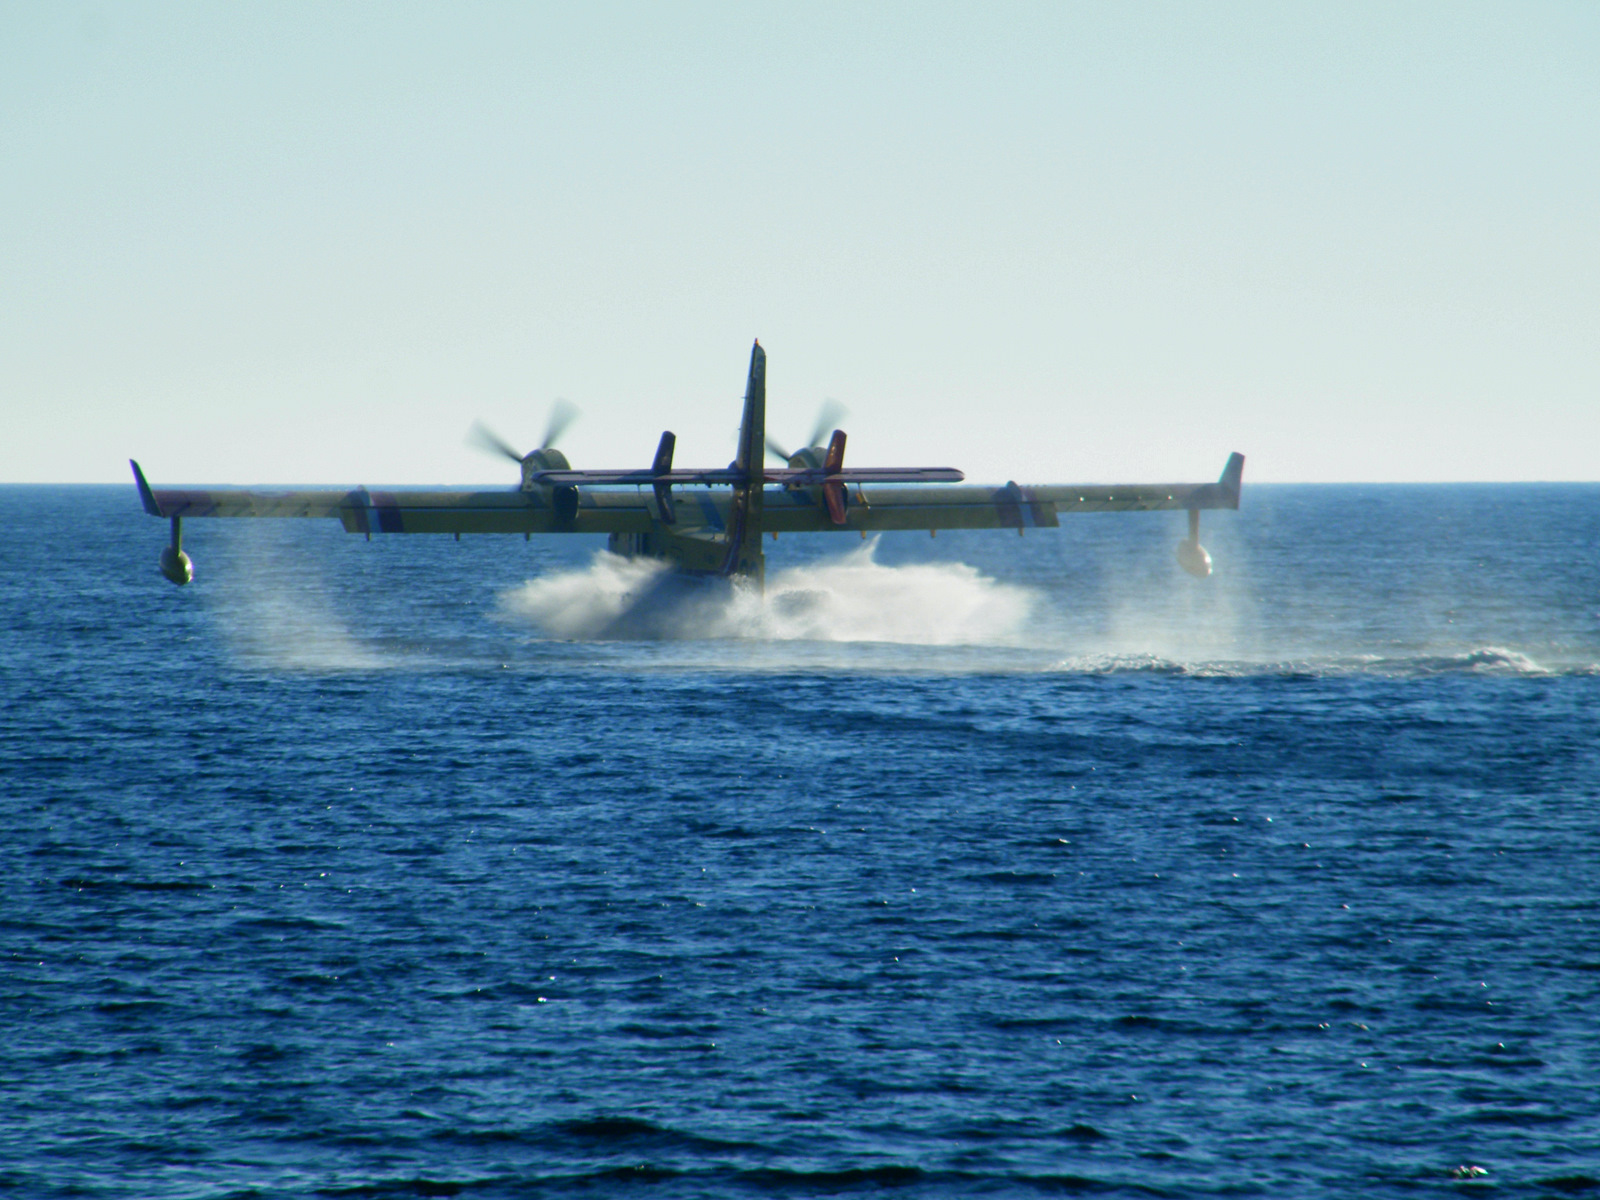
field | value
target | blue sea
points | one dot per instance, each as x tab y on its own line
968	866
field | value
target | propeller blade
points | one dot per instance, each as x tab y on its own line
562	414
830	414
775	449
484	438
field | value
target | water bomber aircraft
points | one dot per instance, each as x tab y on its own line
703	522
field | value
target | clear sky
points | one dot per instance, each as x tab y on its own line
297	243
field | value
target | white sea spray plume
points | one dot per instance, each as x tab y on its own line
852	598
589	602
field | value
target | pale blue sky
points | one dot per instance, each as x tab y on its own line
301	243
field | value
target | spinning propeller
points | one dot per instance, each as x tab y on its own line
562	414
563	498
830	412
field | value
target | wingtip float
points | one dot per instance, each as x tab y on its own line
709	521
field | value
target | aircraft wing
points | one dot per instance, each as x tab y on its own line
610	508
363	510
1011	506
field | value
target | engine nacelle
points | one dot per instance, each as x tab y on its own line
563	497
1192	557
546	458
175	565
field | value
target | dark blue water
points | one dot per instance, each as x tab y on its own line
977	866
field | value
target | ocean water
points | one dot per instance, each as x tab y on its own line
963	866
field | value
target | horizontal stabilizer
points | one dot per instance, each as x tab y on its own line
729	477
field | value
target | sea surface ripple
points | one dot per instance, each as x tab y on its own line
339	873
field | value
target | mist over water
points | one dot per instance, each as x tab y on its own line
292	628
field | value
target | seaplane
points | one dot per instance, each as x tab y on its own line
706	523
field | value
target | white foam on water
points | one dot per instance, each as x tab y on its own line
1480	660
852	598
1485	660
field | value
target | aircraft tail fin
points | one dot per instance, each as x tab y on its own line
753	425
744	516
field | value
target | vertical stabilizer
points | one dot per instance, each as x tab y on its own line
744	517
